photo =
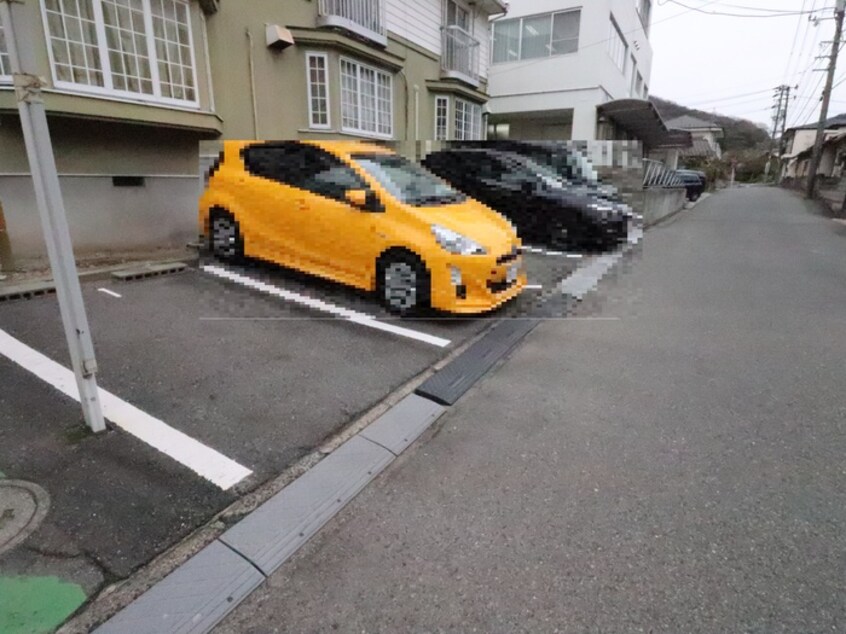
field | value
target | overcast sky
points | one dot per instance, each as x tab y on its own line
731	64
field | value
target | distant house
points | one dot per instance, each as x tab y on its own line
798	144
706	135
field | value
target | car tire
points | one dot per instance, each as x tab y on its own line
403	283
225	240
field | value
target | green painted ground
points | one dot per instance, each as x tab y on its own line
36	605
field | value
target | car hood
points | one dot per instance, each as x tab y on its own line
587	203
474	220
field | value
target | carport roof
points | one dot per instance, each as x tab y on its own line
640	118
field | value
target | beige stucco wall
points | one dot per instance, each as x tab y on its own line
280	76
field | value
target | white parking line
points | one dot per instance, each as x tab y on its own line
202	460
572	256
356	317
108	292
533	287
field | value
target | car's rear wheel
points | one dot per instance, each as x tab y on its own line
225	241
403	283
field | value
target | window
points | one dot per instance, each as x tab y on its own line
617	47
129	48
318	90
407	181
441	118
644	10
635	73
366	99
302	167
468	121
536	36
5	65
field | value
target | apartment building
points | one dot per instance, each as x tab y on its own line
134	86
574	70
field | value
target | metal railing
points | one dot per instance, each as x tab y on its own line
459	52
365	17
656	174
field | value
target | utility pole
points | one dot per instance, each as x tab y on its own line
51	208
782	95
826	97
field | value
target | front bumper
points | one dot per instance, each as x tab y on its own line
486	283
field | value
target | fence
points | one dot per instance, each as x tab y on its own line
656	174
460	52
367	14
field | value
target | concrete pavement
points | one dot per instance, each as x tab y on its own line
674	465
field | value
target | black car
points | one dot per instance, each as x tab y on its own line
543	208
567	161
693	182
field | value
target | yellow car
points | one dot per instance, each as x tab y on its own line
360	214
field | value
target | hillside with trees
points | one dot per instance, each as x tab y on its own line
745	142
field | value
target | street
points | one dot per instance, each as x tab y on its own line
669	460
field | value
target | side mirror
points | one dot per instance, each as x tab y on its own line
356	197
365	199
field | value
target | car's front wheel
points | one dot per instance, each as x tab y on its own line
403	283
225	240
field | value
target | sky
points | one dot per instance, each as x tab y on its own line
730	65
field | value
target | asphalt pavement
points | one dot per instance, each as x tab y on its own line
669	460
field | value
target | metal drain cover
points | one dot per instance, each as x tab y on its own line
23	506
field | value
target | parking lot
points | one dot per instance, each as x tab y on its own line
249	366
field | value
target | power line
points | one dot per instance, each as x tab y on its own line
743	15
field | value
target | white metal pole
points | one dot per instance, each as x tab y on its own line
51	208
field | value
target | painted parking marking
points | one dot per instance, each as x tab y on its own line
564	254
323	306
201	459
534	287
108	292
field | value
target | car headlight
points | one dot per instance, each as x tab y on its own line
456	243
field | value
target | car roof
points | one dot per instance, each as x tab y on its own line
339	148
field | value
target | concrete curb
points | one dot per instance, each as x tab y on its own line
240	559
45	285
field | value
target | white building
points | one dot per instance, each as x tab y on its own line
573	70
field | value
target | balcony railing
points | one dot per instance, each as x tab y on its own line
459	55
365	18
656	174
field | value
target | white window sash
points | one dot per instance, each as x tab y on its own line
7	77
108	90
389	115
327	102
444	101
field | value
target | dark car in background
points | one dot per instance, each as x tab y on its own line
567	161
693	181
545	209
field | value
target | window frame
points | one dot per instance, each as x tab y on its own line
519	21
4	52
470	109
444	99
359	111
615	28
105	62
311	124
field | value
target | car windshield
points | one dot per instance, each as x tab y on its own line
546	173
407	181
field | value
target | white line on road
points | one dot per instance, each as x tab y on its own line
108	292
533	287
572	256
351	315
201	459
